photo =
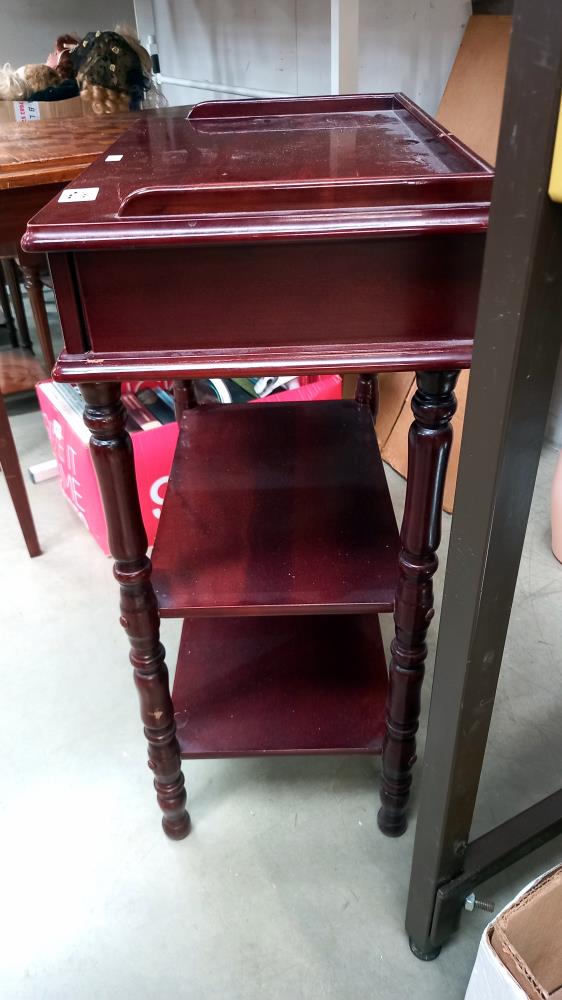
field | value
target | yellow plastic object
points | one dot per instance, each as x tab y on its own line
555	186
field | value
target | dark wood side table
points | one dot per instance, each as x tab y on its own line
340	234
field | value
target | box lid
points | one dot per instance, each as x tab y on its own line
275	169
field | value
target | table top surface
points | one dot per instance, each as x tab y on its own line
19	371
57	150
241	169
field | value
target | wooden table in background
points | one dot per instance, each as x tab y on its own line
37	160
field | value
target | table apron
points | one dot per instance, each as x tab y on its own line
390	303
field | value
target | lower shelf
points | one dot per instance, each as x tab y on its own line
281	685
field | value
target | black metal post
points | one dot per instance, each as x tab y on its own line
517	345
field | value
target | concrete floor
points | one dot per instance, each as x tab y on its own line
285	887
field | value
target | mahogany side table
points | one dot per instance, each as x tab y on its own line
340	234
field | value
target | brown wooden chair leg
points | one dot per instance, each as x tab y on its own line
7	312
429	444
112	454
12	280
14	479
34	286
184	396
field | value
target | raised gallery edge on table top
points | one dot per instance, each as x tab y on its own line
276	169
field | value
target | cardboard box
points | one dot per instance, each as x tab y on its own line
520	953
470	108
69	437
395	417
33	111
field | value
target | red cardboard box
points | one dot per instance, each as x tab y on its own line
153	451
69	437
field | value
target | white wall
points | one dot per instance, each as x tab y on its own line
410	45
284	45
280	45
29	28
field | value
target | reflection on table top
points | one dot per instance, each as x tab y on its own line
56	150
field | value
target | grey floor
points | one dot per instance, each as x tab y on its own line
285	888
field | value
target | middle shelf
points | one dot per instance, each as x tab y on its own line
279	508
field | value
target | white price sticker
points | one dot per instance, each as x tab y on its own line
27	111
114	157
79	194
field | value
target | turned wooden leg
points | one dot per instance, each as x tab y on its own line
7	311
112	455
10	465
12	280
184	396
34	286
429	444
367	392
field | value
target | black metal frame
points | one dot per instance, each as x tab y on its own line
518	339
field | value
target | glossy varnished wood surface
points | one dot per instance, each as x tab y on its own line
276	509
391	303
207	251
20	371
312	168
249	686
17	205
309	235
54	151
37	159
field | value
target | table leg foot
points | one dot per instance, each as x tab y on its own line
391	822
177	829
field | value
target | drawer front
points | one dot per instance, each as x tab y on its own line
420	289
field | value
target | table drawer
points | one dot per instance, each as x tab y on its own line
394	290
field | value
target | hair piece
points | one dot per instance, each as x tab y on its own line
38	76
64	46
103	100
106	60
12	86
130	36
